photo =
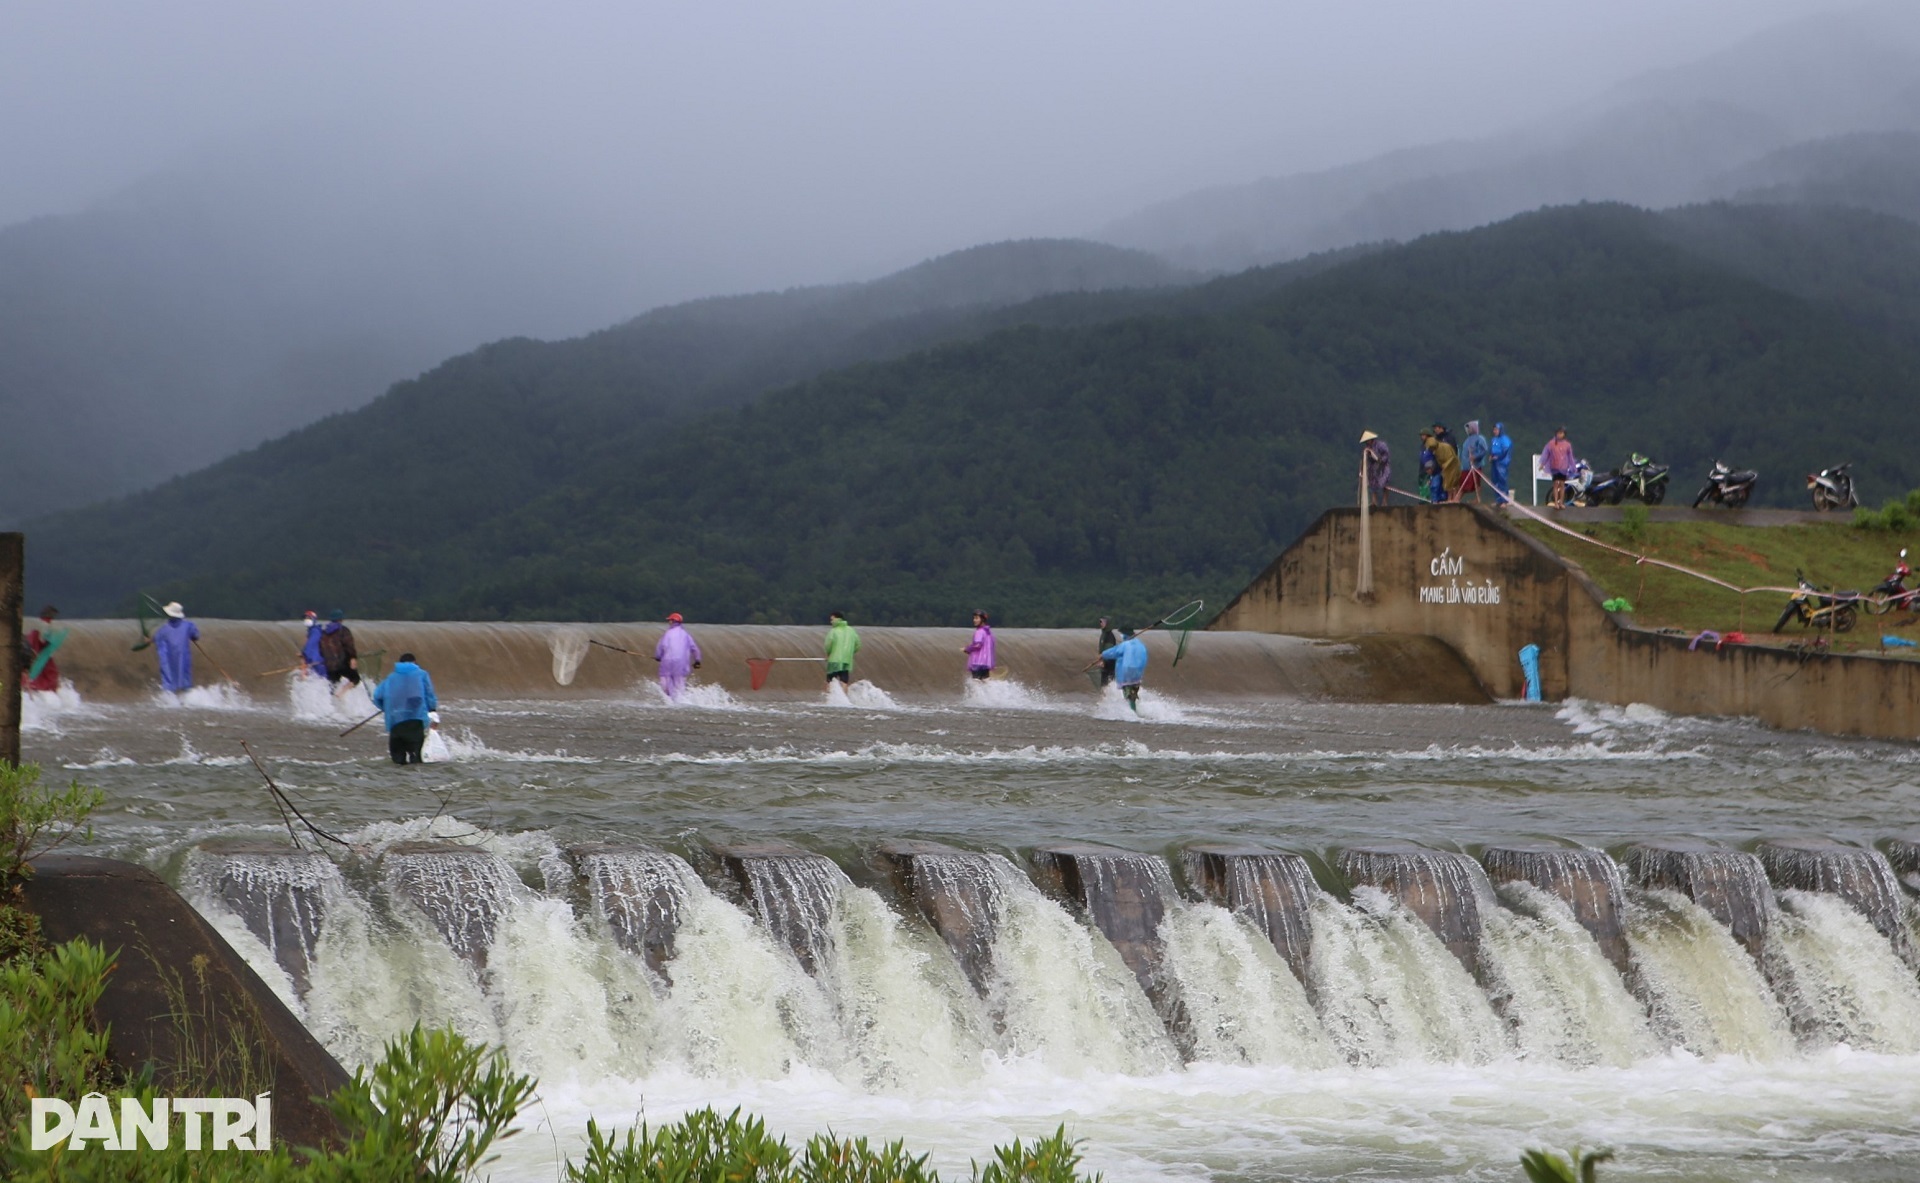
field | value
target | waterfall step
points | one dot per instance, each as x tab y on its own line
279	892
1904	855
1731	885
1124	893
1444	889
1588	881
1863	877
1272	888
463	891
795	893
957	891
640	892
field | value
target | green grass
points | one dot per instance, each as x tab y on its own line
1832	554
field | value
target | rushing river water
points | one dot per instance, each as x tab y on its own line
1379	1056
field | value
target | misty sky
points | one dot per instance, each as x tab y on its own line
907	126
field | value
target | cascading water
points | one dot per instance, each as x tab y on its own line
1561	994
641	894
1446	890
1839	978
463	891
1587	881
1861	877
1703	988
1272	889
279	893
1730	884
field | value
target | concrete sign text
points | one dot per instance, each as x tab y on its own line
1457	589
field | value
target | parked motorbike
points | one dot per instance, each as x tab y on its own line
1892	592
1820	609
1832	488
1727	487
1643	479
1605	488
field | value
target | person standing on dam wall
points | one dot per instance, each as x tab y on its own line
1374	455
678	654
1500	462
979	651
1557	459
842	643
1475	452
1130	666
406	696
173	645
338	650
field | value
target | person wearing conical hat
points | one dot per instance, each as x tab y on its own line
173	645
678	654
1373	450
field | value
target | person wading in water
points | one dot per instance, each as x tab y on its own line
980	651
842	644
1108	639
406	695
678	654
1130	666
338	651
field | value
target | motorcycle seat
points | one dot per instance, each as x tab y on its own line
1744	476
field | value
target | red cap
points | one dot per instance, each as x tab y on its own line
673	617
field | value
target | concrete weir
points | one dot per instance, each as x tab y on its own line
280	893
1272	888
1444	889
640	892
1903	854
959	894
1124	893
1587	881
1731	885
1862	877
795	893
462	890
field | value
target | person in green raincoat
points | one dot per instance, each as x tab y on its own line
842	644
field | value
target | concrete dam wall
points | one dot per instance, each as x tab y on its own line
557	660
1462	575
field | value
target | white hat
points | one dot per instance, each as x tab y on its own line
175	610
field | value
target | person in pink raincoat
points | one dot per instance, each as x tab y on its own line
980	652
678	654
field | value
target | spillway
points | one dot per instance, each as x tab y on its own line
463	891
1731	885
1273	889
1587	881
280	893
1445	890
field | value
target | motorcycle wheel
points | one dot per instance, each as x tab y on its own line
1654	494
1703	496
1784	617
1878	605
1844	618
1738	498
1820	501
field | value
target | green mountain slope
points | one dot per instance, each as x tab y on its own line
1071	464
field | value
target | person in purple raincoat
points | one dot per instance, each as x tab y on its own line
173	645
980	652
678	654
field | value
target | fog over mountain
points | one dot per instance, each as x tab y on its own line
224	221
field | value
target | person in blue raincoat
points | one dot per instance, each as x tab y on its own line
1130	665
310	652
173	645
406	695
1500	450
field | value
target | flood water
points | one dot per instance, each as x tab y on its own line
1382	1059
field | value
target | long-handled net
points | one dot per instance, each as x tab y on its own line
759	668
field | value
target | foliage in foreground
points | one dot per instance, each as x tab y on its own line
1544	1166
36	819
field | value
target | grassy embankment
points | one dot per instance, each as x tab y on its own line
1832	554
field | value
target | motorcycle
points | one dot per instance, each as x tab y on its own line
1727	487
1832	488
1892	592
1643	479
1820	609
1603	489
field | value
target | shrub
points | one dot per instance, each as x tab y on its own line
1633	523
35	820
1544	1166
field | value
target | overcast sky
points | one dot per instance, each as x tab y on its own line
939	124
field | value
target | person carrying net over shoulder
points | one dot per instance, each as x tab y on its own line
1130	665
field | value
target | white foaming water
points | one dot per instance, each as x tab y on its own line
42	710
1563	997
860	694
709	696
221	696
1005	694
1153	707
313	700
1705	993
1061	994
1839	978
1242	1004
1389	992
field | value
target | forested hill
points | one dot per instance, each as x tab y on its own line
1113	453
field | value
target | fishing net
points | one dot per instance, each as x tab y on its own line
758	668
569	647
1182	622
148	613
